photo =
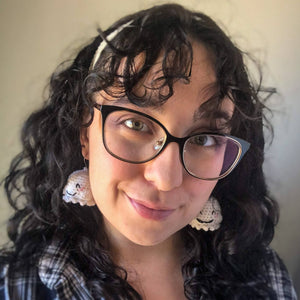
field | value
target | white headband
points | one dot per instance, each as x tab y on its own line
103	43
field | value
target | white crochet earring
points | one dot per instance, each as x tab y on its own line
77	189
210	217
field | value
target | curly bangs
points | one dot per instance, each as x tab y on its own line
162	34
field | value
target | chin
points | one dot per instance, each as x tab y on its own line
150	239
145	241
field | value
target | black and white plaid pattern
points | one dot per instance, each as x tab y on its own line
56	278
279	278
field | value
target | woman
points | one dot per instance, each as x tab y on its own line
141	177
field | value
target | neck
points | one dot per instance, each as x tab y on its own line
127	253
141	262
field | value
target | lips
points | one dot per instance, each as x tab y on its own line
150	213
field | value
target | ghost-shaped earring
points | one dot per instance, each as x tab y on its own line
77	189
210	217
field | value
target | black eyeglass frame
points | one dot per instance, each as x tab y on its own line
108	109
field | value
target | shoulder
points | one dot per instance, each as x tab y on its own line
53	276
278	277
23	283
58	272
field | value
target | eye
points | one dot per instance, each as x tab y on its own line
136	125
203	140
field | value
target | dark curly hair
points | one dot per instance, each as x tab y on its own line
225	264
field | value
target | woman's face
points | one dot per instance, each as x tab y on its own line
148	203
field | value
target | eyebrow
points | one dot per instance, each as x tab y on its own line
202	113
148	108
122	100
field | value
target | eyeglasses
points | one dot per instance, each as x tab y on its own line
135	137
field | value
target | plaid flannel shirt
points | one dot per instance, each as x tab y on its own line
57	278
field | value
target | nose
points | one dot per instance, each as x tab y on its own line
166	170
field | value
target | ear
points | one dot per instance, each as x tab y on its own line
84	141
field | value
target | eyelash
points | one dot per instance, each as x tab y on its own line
133	123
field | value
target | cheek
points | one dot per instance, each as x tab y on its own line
199	192
199	188
105	171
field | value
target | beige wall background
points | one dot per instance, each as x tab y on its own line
36	35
